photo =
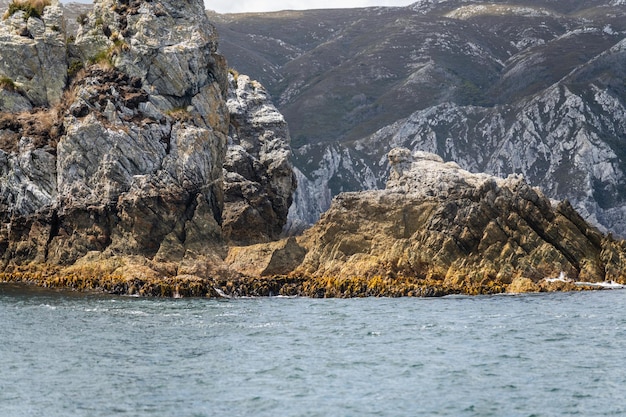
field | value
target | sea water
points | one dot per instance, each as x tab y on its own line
69	354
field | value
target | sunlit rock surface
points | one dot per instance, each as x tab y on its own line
470	232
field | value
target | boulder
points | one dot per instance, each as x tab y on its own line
266	259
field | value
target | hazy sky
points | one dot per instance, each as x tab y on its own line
229	6
238	6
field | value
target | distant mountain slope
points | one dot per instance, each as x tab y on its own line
342	74
536	87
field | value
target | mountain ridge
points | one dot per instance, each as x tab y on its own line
357	73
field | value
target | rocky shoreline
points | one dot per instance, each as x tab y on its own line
435	230
99	280
136	163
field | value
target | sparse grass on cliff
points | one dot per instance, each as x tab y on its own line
105	57
43	126
102	58
31	8
180	114
119	45
74	68
234	73
7	83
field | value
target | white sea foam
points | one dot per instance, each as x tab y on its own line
606	284
96	310
137	313
221	293
562	278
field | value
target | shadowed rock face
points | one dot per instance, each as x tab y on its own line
258	175
134	168
437	222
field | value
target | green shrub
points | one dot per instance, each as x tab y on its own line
82	19
31	8
74	67
102	58
105	57
7	84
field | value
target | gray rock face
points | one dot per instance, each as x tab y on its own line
258	175
338	169
34	58
171	48
28	180
133	166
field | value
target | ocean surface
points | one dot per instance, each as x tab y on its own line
69	354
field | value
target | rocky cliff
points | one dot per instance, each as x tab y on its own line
34	59
439	229
142	173
259	179
113	150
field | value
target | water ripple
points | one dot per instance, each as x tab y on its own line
64	354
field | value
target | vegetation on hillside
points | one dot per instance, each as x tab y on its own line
31	8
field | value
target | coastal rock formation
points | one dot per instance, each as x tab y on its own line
456	230
129	165
147	168
259	179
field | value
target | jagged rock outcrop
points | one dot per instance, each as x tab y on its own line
456	230
126	184
33	62
259	179
129	165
